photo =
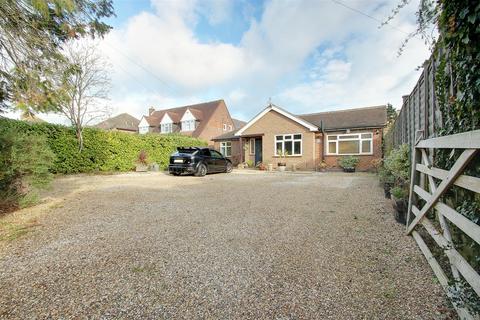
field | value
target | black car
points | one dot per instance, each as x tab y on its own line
199	161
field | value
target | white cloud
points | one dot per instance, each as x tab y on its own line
160	60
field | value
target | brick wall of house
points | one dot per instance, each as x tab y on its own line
236	150
214	127
272	124
365	163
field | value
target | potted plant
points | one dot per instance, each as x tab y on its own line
282	165
348	163
399	202
142	162
322	167
387	180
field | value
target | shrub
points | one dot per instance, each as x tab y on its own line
398	163
103	150
399	192
25	160
348	162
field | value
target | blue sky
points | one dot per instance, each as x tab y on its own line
306	55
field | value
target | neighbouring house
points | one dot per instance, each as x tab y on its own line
122	122
204	120
308	139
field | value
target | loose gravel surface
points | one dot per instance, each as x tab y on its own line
226	246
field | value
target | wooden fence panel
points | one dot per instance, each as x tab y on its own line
420	113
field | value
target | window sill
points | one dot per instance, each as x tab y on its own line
351	154
290	156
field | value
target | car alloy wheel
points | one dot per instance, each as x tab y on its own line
229	167
201	170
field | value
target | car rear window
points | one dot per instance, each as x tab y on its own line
187	150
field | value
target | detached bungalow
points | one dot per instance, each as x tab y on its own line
308	139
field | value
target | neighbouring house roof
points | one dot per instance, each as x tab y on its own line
369	117
272	107
238	124
123	121
227	136
201	112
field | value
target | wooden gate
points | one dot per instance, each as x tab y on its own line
425	189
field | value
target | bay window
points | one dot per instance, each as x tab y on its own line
226	148
288	144
350	144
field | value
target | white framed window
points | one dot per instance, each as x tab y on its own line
230	127
350	144
188	125
166	128
224	127
288	144
226	148
252	145
143	130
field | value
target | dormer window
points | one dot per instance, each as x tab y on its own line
143	126
188	121
188	125
166	127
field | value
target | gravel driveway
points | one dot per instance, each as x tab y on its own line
236	246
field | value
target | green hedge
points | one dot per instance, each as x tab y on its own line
103	150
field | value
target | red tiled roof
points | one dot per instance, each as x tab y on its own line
351	118
201	111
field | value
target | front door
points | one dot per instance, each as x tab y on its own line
258	151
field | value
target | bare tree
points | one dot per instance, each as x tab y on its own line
85	83
31	36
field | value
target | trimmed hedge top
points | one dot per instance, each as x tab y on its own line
103	150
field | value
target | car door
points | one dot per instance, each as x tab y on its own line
219	159
209	160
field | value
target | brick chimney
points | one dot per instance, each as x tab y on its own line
150	111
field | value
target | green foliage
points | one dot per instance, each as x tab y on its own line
25	160
31	36
386	176
249	163
398	164
103	150
399	192
457	92
348	162
391	113
396	170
